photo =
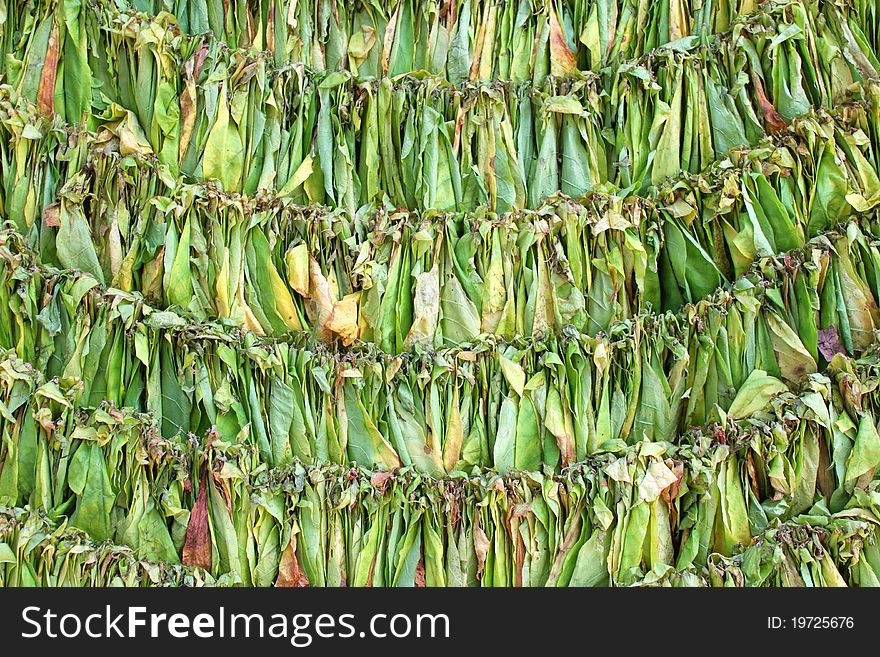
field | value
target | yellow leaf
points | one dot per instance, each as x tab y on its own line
344	319
302	173
562	59
250	321
187	117
514	373
321	298
360	43
131	136
454	435
494	294
297	259
283	301
426	305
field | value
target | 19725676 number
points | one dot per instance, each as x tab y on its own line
811	623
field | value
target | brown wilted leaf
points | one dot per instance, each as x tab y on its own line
454	512
369	581
388	40
753	476
520	560
187	118
851	390
459	124
478	51
481	548
52	215
379	480
223	487
420	573
773	119
290	574
46	90
670	493
191	69
825	480
197	546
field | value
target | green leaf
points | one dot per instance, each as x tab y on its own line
865	454
755	395
505	439
460	319
224	155
74	244
95	496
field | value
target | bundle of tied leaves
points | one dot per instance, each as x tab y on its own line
471	293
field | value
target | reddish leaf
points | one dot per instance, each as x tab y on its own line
773	119
562	60
670	493
369	581
379	480
753	476
454	512
478	51
289	572
191	68
52	215
481	548
571	537
223	486
197	546
520	559
829	343
46	90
